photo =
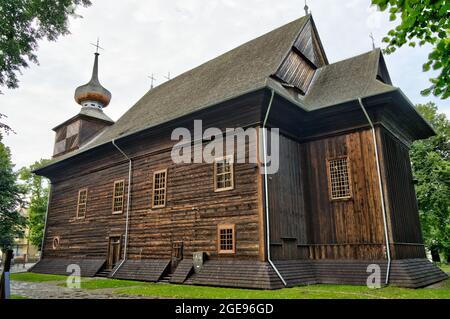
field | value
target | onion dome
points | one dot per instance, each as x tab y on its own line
93	94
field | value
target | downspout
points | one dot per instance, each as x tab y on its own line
383	206
45	223
266	189
128	207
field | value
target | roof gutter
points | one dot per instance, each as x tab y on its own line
266	189
45	222
128	206
383	205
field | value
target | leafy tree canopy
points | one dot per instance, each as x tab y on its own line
431	168
6	128
37	191
11	222
422	21
22	24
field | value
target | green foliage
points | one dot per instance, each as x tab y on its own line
22	24
11	222
37	191
431	168
422	22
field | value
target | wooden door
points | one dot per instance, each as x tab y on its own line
177	254
113	252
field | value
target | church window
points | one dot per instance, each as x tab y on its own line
226	239
159	188
56	242
118	192
339	178
223	174
82	203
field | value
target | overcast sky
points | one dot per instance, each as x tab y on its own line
157	36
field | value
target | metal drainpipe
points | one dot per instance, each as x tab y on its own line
45	223
128	207
266	189
383	206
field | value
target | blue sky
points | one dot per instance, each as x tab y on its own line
156	36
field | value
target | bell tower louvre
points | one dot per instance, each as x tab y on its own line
91	119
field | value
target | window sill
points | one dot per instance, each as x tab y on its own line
226	252
344	199
218	190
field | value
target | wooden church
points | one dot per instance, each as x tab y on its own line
343	198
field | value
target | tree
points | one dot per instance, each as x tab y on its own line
7	129
22	24
423	21
37	193
11	222
431	169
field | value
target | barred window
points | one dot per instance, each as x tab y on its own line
339	178
82	203
226	239
223	174
119	188
159	188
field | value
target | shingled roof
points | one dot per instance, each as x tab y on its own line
234	73
244	69
346	80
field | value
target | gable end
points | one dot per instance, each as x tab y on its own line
305	57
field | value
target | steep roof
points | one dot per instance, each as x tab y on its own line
244	69
238	71
346	80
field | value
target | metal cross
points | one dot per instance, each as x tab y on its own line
152	78
373	40
97	46
306	8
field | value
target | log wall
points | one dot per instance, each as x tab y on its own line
193	209
402	209
305	222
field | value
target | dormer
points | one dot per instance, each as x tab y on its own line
305	57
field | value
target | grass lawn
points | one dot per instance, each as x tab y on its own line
304	292
32	277
444	267
186	291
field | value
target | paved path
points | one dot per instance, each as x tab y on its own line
50	290
19	268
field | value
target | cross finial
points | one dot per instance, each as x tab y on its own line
373	40
306	8
152	79
97	46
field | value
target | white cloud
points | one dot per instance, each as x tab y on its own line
375	18
157	36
